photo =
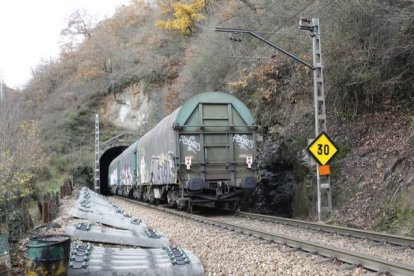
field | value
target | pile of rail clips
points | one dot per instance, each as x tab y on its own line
137	250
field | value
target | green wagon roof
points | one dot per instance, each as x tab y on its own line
213	97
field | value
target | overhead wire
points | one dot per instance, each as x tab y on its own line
294	16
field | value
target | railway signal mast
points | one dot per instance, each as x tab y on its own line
1	87
324	192
323	181
96	171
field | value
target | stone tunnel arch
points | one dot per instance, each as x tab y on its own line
104	161
111	149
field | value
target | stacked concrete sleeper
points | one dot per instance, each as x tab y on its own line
154	256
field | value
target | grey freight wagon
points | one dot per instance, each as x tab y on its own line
203	153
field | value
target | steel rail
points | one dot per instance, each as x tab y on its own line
353	258
340	230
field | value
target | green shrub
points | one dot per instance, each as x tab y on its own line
369	60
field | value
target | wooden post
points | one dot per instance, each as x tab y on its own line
39	205
45	212
57	198
27	220
52	210
70	187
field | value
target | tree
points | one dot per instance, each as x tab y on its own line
185	16
79	27
21	158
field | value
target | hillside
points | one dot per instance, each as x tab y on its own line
376	175
139	65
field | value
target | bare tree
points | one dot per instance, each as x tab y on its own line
80	25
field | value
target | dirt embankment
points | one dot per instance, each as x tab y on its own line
374	185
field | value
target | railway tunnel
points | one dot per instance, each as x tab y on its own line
110	150
104	161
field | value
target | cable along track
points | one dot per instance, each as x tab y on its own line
350	257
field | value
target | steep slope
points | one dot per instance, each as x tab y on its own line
376	175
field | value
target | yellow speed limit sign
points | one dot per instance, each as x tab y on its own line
322	148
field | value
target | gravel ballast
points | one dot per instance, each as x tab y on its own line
223	252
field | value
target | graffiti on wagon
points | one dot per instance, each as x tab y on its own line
162	169
191	143
244	142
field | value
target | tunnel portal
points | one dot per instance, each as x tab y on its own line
106	159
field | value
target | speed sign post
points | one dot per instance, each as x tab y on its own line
322	149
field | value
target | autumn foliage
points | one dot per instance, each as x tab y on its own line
185	16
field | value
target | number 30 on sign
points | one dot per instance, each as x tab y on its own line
322	149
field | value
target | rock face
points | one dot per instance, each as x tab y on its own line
134	108
274	194
131	109
279	180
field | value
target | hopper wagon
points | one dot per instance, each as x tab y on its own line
203	153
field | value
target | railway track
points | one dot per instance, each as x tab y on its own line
383	238
370	262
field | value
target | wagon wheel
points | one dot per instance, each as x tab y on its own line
130	193
189	207
172	196
150	195
137	193
234	207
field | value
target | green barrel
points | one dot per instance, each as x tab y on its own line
5	265
48	255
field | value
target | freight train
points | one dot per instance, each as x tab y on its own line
204	153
